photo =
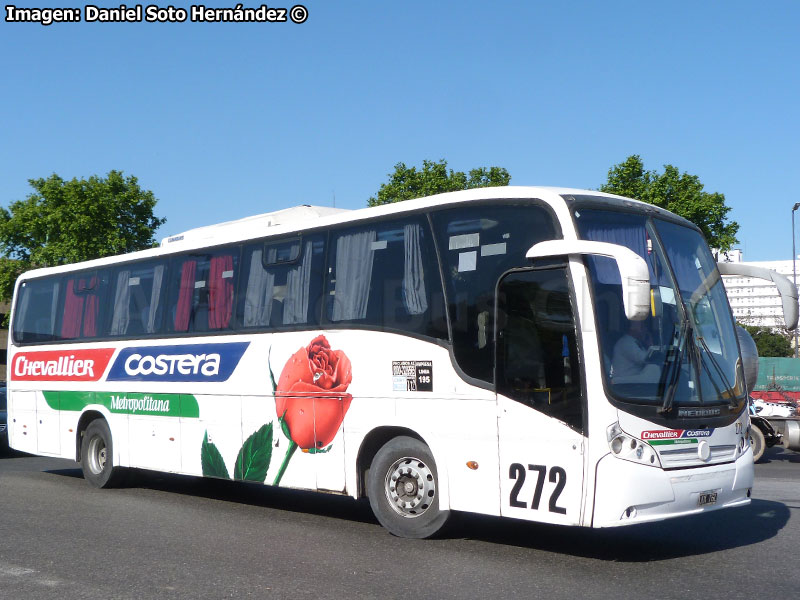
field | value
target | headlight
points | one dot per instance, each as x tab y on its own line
629	448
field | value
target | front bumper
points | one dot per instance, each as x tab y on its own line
627	493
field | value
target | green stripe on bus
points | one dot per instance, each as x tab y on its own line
164	405
678	441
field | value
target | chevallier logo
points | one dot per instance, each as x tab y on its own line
61	365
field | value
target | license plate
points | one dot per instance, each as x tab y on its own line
707	498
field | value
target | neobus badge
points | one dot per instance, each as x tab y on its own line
190	362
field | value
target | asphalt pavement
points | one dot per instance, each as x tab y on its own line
184	537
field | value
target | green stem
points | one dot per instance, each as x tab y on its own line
289	452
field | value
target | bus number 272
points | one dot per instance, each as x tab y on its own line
557	475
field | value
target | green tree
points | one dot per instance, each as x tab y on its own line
407	183
69	221
770	343
677	192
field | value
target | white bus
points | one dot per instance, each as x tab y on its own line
550	355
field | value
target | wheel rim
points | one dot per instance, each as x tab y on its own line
410	487
756	444
97	455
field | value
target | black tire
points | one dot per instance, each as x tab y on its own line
97	456
412	512
757	443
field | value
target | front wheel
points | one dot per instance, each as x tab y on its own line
403	489
97	456
757	443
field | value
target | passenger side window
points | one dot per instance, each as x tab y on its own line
385	276
282	285
477	245
201	297
36	310
83	297
138	299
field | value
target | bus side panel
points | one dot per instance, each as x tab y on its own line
154	443
541	465
48	422
67	433
217	432
22	421
464	440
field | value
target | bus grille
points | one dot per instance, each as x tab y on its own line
687	456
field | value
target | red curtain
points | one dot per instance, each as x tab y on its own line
90	307
73	309
220	292
185	294
80	307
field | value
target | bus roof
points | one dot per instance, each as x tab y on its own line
257	223
307	216
298	218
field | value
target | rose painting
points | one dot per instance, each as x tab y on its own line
311	400
311	397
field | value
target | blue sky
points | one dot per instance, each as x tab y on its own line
222	121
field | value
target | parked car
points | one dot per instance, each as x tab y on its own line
3	420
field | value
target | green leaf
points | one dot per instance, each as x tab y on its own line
253	461
319	450
271	374
212	461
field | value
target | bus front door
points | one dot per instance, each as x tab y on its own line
539	398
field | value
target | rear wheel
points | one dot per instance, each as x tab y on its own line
403	489
97	456
757	443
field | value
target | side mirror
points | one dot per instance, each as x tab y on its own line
749	358
786	289
632	269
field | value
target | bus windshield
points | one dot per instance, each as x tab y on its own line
685	352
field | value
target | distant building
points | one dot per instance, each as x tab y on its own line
755	301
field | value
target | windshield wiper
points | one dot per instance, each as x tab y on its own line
729	389
687	341
702	290
674	373
696	361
